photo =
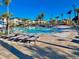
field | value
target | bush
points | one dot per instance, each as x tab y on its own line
1	33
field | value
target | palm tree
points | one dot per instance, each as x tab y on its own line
62	16
77	10
52	21
7	23
1	18
7	3
24	21
57	19
69	13
40	17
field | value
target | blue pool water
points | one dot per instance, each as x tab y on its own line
38	29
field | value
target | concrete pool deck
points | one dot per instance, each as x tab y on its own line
47	47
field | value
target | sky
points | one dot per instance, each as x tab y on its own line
32	8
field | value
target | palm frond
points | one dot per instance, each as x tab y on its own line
77	9
6	15
69	12
7	2
57	17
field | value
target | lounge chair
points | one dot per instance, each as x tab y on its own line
21	38
2	36
8	36
14	38
32	39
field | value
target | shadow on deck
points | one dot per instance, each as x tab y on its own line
13	50
45	53
58	45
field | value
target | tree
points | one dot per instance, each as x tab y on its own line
77	10
5	15
69	13
52	21
62	16
40	17
7	3
24	20
57	17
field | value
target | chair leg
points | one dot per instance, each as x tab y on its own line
34	42
29	42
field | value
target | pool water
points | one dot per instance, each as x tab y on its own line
38	29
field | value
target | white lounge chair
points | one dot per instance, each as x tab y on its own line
21	38
14	38
32	39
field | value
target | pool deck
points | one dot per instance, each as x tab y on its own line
47	47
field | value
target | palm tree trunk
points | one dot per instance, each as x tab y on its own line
7	18
7	26
69	16
78	18
3	25
62	17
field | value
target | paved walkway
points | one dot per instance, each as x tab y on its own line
5	54
47	47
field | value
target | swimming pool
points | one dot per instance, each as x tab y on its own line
41	30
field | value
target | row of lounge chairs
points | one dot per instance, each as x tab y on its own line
20	38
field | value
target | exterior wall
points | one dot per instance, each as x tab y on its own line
5	20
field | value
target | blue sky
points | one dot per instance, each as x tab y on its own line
32	8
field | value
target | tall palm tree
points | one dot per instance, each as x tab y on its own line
40	17
69	13
57	17
62	16
7	3
77	10
1	18
4	16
